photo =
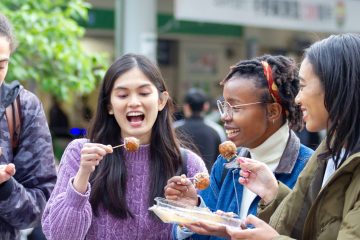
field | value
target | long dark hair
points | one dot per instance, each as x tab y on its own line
109	178
335	61
285	76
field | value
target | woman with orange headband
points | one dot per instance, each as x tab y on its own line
259	112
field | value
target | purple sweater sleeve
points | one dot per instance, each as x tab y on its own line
195	164
68	213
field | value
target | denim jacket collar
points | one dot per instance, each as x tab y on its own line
288	158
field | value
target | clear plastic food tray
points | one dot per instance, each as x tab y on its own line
174	212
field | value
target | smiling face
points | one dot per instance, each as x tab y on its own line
249	127
135	103
311	98
4	57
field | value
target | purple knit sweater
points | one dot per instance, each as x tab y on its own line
68	213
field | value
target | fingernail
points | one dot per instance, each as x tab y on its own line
241	160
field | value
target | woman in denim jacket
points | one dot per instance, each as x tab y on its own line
259	112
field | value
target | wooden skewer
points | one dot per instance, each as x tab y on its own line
191	178
118	146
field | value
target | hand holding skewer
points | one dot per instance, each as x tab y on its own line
183	189
200	180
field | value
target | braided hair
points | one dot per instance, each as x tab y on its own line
284	73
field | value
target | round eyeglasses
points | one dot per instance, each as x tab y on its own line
226	110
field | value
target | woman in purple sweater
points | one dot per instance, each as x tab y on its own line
105	193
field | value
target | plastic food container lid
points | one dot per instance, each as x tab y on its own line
174	212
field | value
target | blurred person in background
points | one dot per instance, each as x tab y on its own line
59	128
310	139
27	171
86	111
58	121
213	113
204	134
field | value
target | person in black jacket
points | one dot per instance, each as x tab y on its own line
27	171
58	121
204	134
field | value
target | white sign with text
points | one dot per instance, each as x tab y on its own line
307	15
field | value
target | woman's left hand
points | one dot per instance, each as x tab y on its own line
261	230
258	177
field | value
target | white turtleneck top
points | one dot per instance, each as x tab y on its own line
269	152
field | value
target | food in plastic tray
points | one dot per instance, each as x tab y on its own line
174	212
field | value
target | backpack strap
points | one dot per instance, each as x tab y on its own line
183	168
13	117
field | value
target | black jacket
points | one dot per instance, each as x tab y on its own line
205	138
23	197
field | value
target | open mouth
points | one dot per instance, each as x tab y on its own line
135	117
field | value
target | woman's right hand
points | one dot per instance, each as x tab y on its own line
91	156
258	178
181	189
6	172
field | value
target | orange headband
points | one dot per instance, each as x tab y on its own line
273	89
